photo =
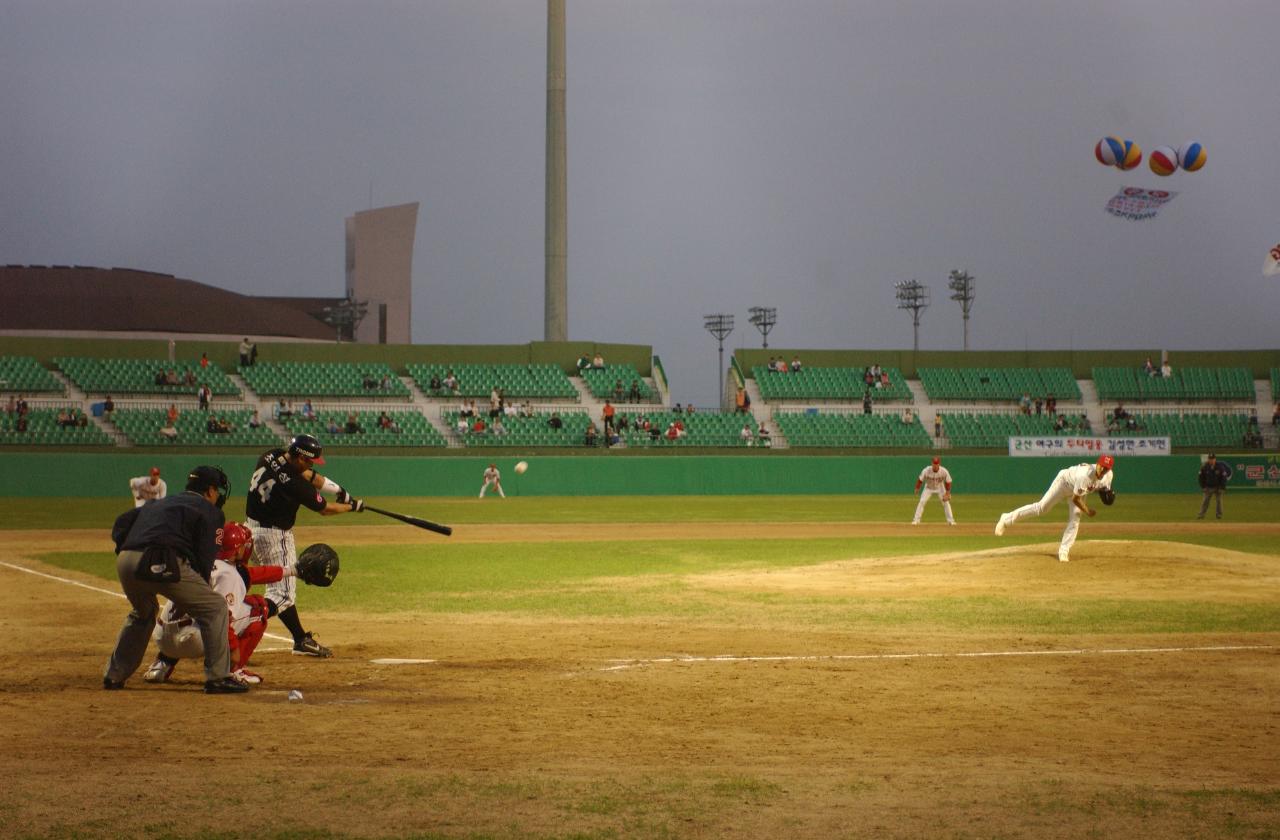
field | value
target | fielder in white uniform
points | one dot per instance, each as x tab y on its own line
934	479
492	478
1075	482
148	488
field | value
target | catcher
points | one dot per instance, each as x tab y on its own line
178	637
934	479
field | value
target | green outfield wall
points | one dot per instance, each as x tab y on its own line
40	475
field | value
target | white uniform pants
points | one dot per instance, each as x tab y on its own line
925	493
1060	489
274	547
495	485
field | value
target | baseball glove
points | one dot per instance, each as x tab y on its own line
317	565
1107	495
946	497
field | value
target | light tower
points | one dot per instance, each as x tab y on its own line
556	246
961	286
915	297
764	318
720	326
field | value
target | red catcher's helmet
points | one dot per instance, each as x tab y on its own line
235	542
1106	462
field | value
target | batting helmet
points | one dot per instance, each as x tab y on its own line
232	539
1106	462
203	477
306	446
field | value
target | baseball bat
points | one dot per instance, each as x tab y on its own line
414	521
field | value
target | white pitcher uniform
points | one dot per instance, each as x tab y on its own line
144	491
1080	480
933	482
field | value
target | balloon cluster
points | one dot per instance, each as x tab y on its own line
1165	160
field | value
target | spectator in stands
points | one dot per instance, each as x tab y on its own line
937	425
608	412
1131	424
589	438
618	391
224	426
1060	424
740	400
211	425
875	371
20	425
169	431
633	394
245	347
584	362
385	384
11	407
204	395
1050	404
748	437
495	402
526	409
497	429
654	432
461	426
672	434
171	377
1149	368
369	383
23	407
679	409
866	401
333	428
204	361
435	385
468	409
255	420
597	362
171	417
353	425
795	364
108	407
189	378
680	432
1084	426
1120	413
384	420
279	411
253	354
763	435
160	378
689	409
1275	414
64	419
884	380
555	422
478	427
82	419
1039	405
308	411
1024	403
610	435
1166	369
867	379
622	423
510	410
1252	434
908	417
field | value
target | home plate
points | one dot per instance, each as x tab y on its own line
402	661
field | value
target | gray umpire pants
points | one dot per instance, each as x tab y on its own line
1211	493
192	594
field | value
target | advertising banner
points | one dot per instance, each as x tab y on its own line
1069	447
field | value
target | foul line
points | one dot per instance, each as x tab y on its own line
626	664
100	589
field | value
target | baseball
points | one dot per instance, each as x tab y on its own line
295	695
521	467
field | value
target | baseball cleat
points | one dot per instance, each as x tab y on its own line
1062	558
111	685
308	646
226	685
246	676
160	670
1002	524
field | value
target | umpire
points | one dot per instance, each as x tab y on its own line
1213	483
167	548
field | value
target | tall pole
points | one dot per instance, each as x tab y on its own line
557	215
961	286
720	326
763	317
913	296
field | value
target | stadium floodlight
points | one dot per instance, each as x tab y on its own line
720	326
764	318
961	286
345	316
914	296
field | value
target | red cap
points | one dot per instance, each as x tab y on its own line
1106	461
937	460
155	470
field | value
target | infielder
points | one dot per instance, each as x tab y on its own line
282	481
934	479
1076	482
176	635
148	488
492	478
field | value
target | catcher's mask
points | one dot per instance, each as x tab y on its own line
231	539
203	477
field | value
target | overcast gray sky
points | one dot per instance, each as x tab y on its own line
804	155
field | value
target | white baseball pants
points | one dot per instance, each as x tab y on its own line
274	547
1060	489
925	494
495	485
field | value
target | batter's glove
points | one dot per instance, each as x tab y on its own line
343	497
318	565
1107	495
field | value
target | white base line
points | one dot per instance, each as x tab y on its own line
104	591
626	664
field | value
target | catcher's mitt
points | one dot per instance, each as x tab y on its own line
1107	495
317	565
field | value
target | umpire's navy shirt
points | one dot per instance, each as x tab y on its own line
187	523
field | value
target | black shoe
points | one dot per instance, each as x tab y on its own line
226	685
308	646
111	685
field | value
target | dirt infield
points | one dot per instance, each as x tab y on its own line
607	728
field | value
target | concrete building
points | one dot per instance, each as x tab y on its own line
379	270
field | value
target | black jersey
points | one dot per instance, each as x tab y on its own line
276	488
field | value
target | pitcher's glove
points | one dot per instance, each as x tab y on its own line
317	565
1107	495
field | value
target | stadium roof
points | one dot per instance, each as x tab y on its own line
66	298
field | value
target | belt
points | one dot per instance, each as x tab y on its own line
185	621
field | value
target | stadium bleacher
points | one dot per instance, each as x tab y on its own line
1189	383
526	431
409	428
534	381
25	375
992	431
142	427
1184	429
604	382
43	429
815	429
702	428
324	379
137	376
828	383
999	384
